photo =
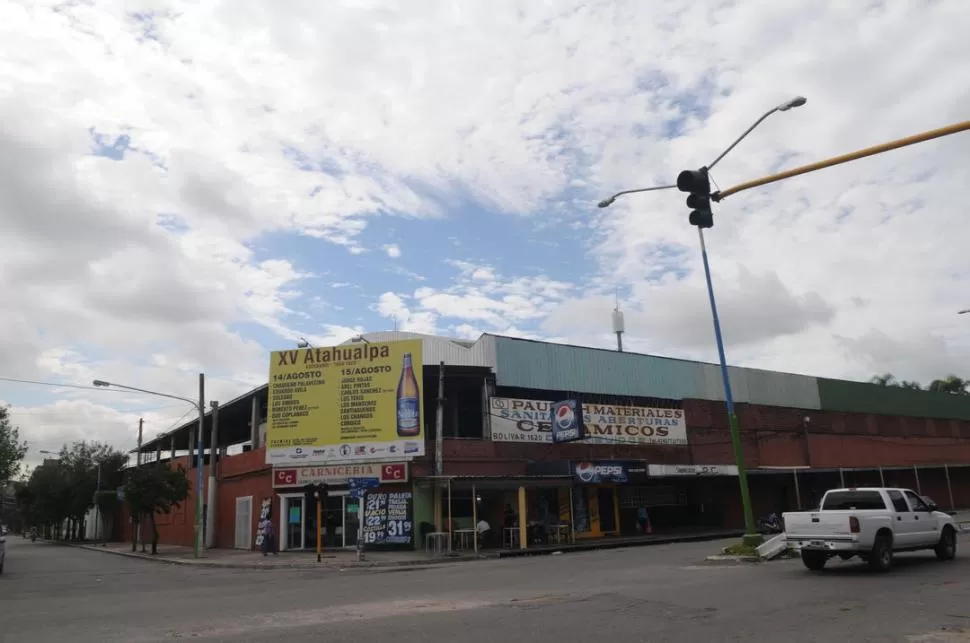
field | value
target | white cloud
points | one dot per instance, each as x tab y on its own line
321	119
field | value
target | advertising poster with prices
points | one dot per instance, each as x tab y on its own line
388	518
356	402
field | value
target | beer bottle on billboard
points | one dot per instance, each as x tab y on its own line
408	401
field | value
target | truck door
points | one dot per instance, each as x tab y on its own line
926	531
905	532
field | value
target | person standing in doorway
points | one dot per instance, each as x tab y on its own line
269	536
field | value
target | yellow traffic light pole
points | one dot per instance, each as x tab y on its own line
844	158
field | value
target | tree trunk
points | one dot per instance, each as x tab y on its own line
134	535
150	517
154	536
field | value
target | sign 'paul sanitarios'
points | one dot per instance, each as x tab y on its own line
345	403
515	420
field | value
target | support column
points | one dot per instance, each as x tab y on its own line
919	490
212	492
841	478
523	520
949	488
173	449
798	491
191	448
254	423
475	516
882	478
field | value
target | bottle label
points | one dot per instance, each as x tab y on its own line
407	413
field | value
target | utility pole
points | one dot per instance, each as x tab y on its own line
198	469
141	425
212	492
439	445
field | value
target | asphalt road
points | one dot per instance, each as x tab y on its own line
661	593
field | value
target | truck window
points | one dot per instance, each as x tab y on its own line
846	500
916	502
899	503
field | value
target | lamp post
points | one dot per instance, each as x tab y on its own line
200	407
303	343
963	312
751	534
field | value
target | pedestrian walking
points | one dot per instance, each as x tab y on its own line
269	537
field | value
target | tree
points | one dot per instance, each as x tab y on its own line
152	489
90	466
950	384
12	450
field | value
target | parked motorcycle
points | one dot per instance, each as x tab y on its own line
772	524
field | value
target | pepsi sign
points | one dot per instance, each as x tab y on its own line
599	472
567	421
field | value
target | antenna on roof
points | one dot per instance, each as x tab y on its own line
619	326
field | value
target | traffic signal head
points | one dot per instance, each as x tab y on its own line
694	181
698	183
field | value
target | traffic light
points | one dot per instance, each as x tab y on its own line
310	492
698	183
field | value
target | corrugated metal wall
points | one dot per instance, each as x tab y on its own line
558	367
536	365
859	397
759	387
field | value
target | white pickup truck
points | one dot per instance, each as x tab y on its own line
872	523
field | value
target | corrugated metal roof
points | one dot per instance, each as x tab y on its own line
453	352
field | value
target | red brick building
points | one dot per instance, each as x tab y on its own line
801	435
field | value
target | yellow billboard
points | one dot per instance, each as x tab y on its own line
353	402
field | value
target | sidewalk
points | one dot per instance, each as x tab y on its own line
347	559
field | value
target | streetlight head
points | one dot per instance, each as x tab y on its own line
605	203
101	383
964	312
798	101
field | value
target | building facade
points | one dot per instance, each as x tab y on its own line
658	456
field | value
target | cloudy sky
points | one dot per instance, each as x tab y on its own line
185	186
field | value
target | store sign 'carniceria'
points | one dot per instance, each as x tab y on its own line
515	420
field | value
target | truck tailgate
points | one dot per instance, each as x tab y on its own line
822	523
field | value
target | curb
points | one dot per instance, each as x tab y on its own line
297	565
417	564
593	546
728	558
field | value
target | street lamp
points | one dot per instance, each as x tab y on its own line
963	312
200	407
688	181
303	343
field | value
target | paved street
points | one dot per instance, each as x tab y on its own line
661	593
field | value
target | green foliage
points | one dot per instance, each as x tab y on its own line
12	450
740	549
155	488
949	384
65	488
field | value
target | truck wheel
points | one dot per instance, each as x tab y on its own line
946	549
814	560
881	558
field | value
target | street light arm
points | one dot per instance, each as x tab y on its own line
147	392
798	101
742	137
605	203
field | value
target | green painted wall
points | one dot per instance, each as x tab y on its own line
859	397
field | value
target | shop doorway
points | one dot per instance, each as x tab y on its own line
299	522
